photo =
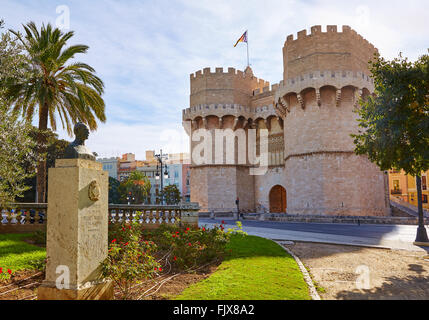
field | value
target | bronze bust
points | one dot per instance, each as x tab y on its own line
77	148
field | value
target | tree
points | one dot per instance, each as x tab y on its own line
17	156
56	86
395	121
171	194
137	186
13	62
55	149
114	196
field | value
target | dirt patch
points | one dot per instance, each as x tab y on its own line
21	286
349	272
168	286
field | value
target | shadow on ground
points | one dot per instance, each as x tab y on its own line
408	288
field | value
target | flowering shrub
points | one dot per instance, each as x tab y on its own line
237	230
191	247
5	273
130	258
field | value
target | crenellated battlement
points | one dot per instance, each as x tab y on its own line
227	87
331	30
220	71
318	50
265	91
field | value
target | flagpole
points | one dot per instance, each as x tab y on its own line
247	31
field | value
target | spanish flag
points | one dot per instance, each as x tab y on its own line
243	38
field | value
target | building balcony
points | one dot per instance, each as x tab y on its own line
396	191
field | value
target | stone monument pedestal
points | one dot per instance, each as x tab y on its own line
77	230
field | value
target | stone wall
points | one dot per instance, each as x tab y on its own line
335	184
216	187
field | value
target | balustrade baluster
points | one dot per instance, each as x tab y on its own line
32	215
164	212
157	220
41	216
13	215
127	216
112	216
151	216
22	216
4	214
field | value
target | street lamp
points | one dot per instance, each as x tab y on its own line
130	197
421	237
159	169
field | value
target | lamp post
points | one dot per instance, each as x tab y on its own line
163	173
130	198
421	237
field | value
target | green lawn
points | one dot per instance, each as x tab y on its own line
15	254
256	269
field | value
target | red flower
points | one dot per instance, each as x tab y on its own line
177	232
187	229
189	244
114	240
9	271
223	222
155	269
126	243
160	269
175	258
204	229
1	270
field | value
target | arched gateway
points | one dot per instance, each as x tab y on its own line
278	199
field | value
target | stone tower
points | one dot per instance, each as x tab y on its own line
325	75
225	100
309	116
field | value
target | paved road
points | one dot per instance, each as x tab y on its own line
384	236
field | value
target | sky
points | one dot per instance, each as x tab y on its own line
145	50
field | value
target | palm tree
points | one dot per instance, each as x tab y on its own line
57	86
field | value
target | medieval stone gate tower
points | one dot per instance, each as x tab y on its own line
309	117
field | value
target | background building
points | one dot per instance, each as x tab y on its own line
110	165
178	168
126	165
403	187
